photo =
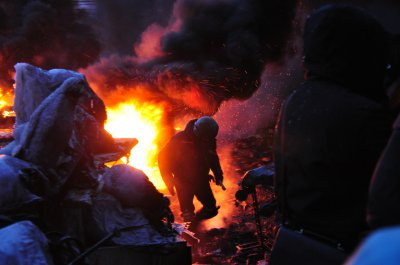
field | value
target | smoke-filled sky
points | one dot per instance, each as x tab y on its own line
208	52
47	33
192	54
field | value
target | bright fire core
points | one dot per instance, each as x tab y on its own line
129	120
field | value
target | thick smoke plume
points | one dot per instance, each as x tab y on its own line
120	23
211	51
46	33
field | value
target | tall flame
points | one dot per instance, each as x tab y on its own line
143	122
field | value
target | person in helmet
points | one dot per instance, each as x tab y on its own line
185	163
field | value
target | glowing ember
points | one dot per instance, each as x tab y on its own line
8	113
129	120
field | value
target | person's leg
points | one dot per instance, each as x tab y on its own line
185	198
205	195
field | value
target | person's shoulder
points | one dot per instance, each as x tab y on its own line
180	136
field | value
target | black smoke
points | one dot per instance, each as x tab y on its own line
228	43
46	33
121	22
218	52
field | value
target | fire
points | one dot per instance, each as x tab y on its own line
6	98
143	122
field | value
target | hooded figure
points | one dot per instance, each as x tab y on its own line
384	196
333	127
185	163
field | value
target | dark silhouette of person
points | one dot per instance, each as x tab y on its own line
384	197
185	163
334	126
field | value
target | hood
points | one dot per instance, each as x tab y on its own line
348	46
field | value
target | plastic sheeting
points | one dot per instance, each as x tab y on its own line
49	129
59	131
34	85
59	124
130	186
23	244
108	214
14	194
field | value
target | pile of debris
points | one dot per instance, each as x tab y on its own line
249	236
247	239
59	201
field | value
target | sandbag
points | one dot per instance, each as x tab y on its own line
132	188
108	214
23	243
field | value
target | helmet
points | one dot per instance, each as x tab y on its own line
206	128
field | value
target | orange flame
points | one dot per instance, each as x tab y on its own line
143	122
6	98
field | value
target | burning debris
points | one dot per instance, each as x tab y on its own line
54	170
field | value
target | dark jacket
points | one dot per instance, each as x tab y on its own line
384	199
188	160
332	128
331	141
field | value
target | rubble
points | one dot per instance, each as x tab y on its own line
55	161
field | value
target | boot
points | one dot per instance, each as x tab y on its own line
207	213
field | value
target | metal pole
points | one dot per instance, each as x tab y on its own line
258	220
